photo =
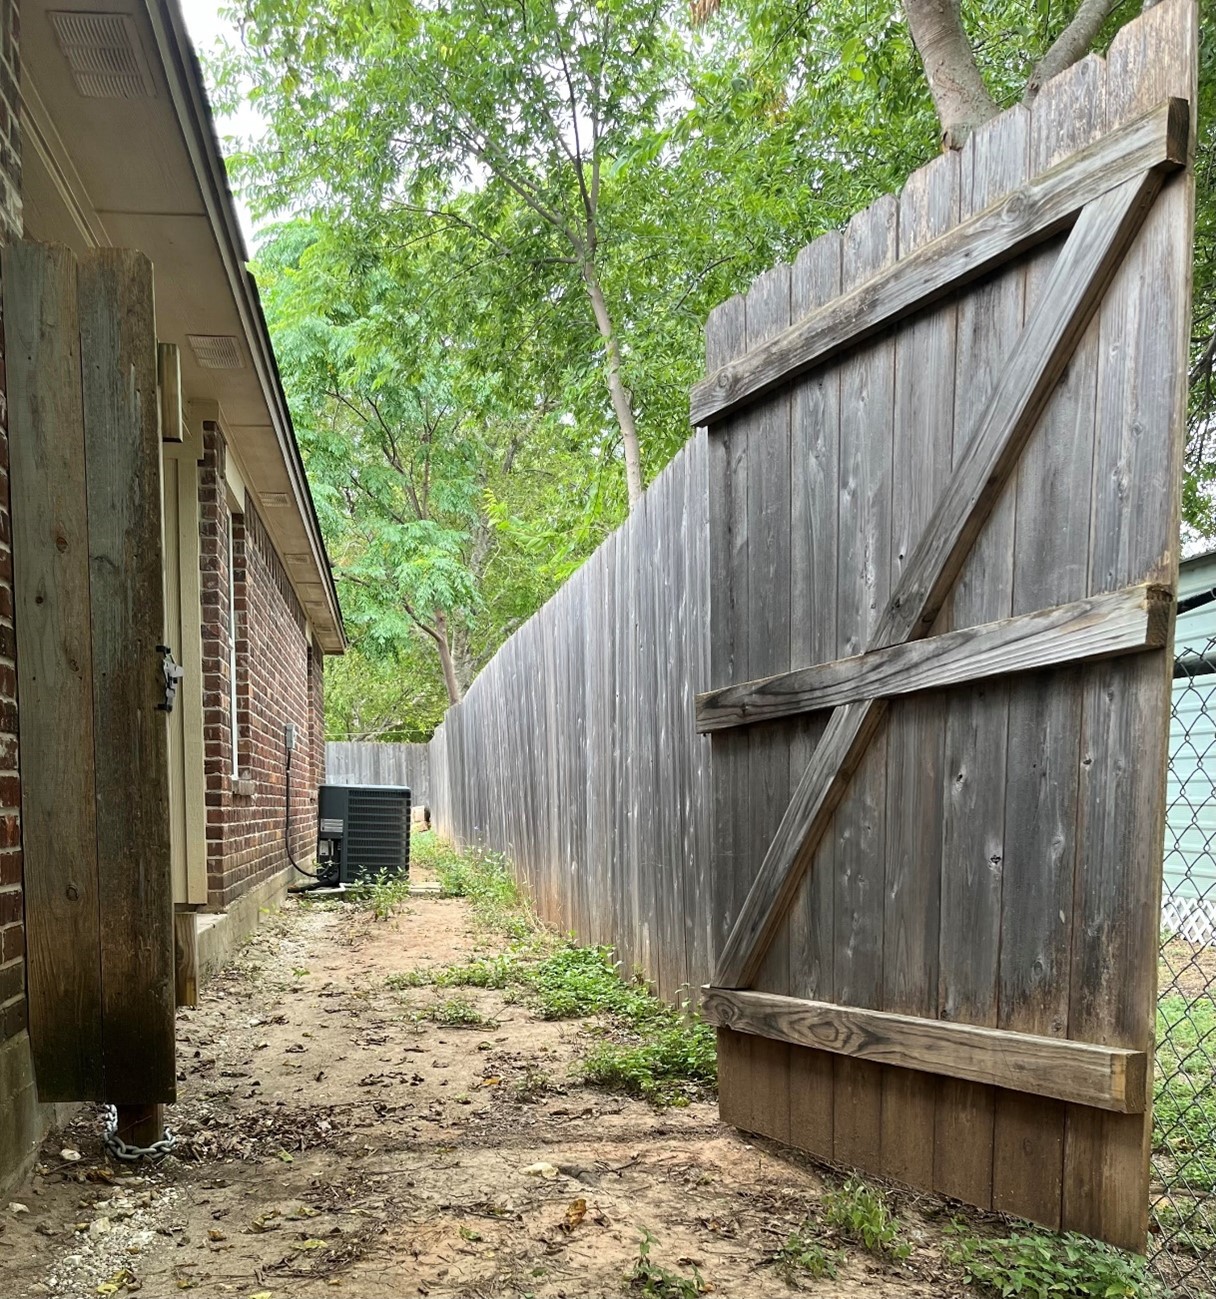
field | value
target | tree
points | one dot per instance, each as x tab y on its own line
422	465
390	439
960	95
535	105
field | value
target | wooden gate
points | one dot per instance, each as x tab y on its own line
80	357
946	461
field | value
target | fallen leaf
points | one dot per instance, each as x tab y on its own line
214	1233
286	1158
15	1206
312	1244
72	1156
540	1169
575	1213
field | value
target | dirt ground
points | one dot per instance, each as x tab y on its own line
333	1141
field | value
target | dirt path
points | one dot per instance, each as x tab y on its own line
334	1140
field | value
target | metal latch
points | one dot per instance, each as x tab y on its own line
173	675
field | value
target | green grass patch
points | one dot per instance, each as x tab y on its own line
858	1212
484	878
647	1048
805	1256
1184	1092
1038	1265
672	1063
457	1012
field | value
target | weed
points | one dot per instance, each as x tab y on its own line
858	1212
533	1085
383	893
805	1255
1034	1265
648	1278
671	1067
457	1012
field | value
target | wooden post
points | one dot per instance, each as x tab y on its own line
131	735
141	1125
51	582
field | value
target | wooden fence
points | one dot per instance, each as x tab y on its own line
363	762
575	751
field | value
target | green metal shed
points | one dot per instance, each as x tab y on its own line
1189	886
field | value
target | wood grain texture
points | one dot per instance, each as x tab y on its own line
169	388
1044	206
1103	626
185	945
814	525
921	460
1137	473
1104	1077
1041	750
130	736
863	586
1082	271
766	626
51	585
994	162
368	762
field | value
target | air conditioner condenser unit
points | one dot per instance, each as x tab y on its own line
363	832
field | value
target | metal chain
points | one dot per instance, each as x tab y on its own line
119	1148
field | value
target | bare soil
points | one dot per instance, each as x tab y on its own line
333	1140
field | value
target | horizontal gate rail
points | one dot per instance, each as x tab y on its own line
1043	207
1103	626
1105	1077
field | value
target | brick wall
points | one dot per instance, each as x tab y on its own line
278	680
12	930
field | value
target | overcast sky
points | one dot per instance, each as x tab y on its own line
206	27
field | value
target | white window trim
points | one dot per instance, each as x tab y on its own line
234	725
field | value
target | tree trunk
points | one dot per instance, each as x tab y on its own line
1073	43
621	402
958	90
450	680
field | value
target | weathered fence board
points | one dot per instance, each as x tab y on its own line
51	582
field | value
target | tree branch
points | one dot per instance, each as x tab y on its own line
1073	43
959	94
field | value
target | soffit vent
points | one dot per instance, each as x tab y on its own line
216	351
104	53
277	500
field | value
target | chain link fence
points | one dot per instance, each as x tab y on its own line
1182	1243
